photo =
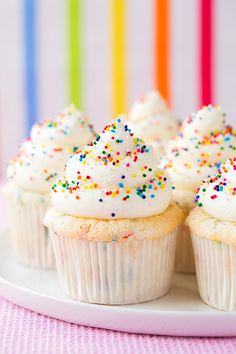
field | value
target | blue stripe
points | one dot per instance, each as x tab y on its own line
30	64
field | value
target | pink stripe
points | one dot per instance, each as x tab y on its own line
206	50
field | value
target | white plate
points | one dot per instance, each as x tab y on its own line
180	313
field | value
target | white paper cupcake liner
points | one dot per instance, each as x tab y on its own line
184	257
30	238
115	273
215	268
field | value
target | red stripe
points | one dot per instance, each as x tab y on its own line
206	51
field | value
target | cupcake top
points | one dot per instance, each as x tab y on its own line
115	176
205	141
42	157
217	195
151	118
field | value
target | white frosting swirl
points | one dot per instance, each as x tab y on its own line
151	118
217	195
42	158
204	143
203	122
113	177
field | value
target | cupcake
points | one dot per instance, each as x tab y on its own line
213	230
196	153
40	161
151	119
112	222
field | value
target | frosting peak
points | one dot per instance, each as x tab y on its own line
203	122
115	176
151	118
42	158
197	152
69	128
217	195
150	104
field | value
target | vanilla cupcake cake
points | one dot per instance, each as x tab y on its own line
30	175
151	119
113	223
204	143
213	229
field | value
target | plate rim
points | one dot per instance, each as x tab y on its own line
111	310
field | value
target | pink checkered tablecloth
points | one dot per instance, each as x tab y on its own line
23	331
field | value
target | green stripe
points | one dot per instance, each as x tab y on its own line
75	72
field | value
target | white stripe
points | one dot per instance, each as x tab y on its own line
140	48
184	56
96	60
225	57
52	47
11	80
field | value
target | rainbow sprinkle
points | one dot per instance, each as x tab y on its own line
220	181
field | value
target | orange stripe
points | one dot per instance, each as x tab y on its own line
162	47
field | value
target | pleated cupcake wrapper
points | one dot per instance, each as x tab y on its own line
30	238
184	257
215	268
115	273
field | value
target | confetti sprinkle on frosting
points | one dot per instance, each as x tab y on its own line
41	159
151	118
115	176
197	152
217	194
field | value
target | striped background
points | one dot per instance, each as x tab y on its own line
103	54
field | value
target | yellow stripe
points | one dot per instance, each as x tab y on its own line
118	57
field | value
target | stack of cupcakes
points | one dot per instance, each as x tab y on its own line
41	160
113	217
